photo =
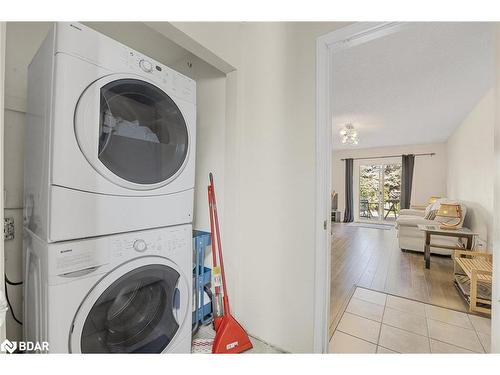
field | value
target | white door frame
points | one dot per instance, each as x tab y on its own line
345	37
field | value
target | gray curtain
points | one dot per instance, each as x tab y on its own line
408	163
349	208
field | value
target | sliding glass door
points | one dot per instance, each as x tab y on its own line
379	191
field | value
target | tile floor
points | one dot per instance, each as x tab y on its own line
375	322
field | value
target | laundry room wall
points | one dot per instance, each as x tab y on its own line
210	134
272	138
23	40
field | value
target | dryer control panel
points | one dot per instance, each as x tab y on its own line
81	41
179	85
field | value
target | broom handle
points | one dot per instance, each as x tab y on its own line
212	230
219	246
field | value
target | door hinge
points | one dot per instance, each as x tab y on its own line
8	228
324	225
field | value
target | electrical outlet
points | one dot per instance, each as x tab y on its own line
8	228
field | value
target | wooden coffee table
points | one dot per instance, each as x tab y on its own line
435	230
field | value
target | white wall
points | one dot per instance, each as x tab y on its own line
23	39
210	133
471	166
2	76
429	175
271	201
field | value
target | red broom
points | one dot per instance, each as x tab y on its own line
230	336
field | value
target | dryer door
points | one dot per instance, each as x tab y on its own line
137	308
132	132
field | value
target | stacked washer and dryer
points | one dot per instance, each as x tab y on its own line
109	182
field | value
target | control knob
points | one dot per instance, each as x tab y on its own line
140	245
146	66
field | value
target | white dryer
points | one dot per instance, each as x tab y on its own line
110	139
127	293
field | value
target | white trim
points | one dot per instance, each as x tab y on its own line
14	103
323	186
345	37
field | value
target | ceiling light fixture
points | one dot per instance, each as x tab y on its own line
349	135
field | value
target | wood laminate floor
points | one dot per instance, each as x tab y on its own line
371	258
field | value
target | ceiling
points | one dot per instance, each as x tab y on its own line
414	86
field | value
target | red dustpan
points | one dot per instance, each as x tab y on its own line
230	336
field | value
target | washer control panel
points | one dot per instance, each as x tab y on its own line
155	242
72	260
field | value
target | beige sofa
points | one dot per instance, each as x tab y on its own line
411	238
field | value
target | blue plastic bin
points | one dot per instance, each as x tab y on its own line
202	276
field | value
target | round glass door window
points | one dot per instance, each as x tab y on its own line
143	137
135	314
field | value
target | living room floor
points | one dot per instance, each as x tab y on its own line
370	257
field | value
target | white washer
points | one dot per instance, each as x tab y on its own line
110	139
127	293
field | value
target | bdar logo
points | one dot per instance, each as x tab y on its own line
8	346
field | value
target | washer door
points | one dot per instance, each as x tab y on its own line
131	132
134	309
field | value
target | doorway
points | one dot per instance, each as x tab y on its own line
379	192
328	46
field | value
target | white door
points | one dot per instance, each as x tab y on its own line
379	192
132	132
137	308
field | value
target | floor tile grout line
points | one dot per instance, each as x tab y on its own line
364	300
404	329
352	335
406	312
417	301
428	330
378	344
458	346
353	290
382	320
477	333
455	345
392	350
451	324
